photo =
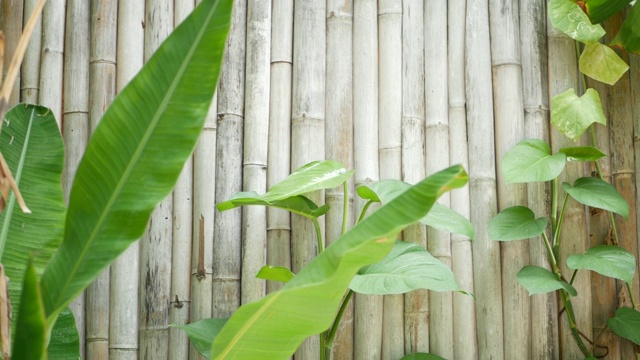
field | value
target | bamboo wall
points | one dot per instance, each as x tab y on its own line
391	88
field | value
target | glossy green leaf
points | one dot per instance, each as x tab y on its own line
582	153
296	204
568	17
538	280
599	194
440	217
30	339
137	152
316	175
202	333
32	146
531	161
607	260
600	62
626	324
407	267
65	342
421	356
275	273
629	35
600	10
274	327
572	115
516	223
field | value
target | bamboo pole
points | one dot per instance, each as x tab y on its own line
509	130
634	75
464	341
622	173
52	57
437	158
125	271
279	155
562	76
227	228
30	74
416	305
156	244
368	308
180	308
102	76
603	289
482	181
307	128
544	308
390	147
75	128
256	136
12	12
339	140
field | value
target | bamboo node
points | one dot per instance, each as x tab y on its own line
177	303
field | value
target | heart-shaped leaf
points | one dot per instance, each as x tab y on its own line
202	333
582	153
626	323
275	273
607	260
531	161
629	35
407	267
440	217
296	204
572	115
516	223
568	17
600	62
599	194
538	280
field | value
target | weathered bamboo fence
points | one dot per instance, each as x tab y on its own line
393	89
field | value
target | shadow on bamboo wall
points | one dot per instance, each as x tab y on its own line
393	89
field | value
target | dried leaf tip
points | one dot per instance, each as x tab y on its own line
6	182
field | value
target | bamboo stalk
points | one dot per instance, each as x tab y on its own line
437	157
227	236
12	12
634	74
622	173
279	155
416	305
102	76
390	147
339	141
256	135
482	181
368	308
509	130
307	128
30	74
544	308
562	76
75	128
464	342
156	245
125	271
52	57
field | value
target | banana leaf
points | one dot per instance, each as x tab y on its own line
600	10
273	327
30	339
137	152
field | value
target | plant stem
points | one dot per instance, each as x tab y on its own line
318	235
345	207
573	277
334	327
552	257
364	210
572	323
554	207
556	235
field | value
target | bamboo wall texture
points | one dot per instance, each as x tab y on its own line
391	88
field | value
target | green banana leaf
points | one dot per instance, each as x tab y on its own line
65	342
274	327
629	35
30	338
137	152
32	145
600	10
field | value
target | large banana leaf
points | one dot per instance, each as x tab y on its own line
137	152
30	339
32	145
273	327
